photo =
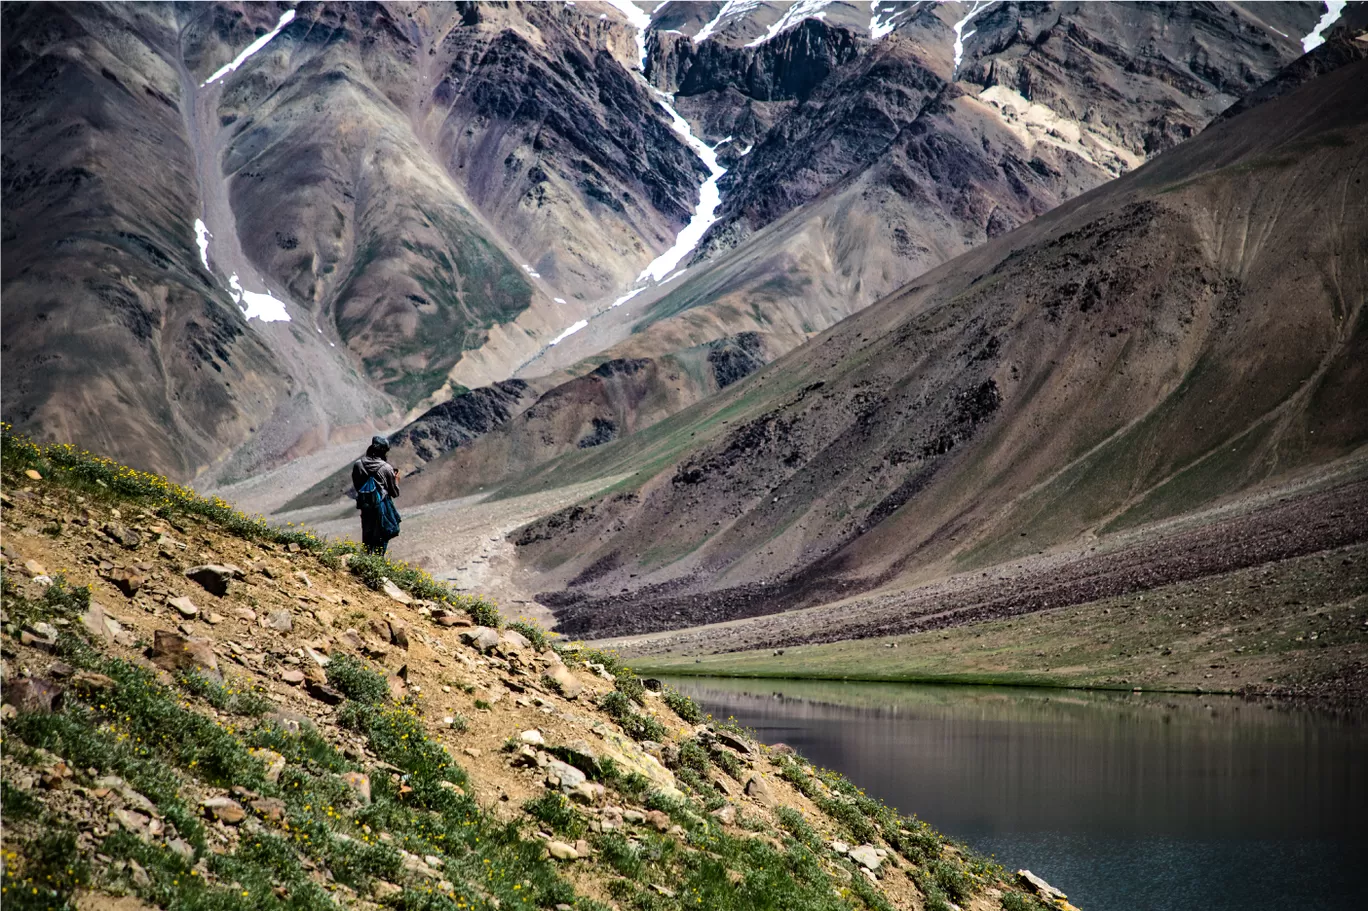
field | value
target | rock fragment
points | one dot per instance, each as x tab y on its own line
565	680
184	606
214	577
759	789
224	809
33	694
561	851
867	857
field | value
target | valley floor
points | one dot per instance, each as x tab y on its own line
1269	595
1294	627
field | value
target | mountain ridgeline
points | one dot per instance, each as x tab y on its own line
442	196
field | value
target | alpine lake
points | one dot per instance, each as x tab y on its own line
1124	801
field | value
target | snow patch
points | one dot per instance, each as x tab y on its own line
796	13
285	19
732	9
567	333
1034	123
258	306
1333	9
878	29
625	298
978	7
202	240
709	198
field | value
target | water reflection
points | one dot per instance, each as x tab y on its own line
1130	801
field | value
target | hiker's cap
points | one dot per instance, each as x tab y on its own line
379	442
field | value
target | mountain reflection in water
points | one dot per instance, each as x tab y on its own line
1128	802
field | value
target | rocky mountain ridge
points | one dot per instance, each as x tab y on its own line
435	193
1060	381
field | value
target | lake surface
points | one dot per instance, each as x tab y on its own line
1127	802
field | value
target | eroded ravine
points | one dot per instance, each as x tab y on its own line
328	401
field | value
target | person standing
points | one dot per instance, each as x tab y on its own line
376	483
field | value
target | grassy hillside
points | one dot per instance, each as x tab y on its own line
204	712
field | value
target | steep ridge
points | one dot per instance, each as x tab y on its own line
1180	335
865	163
614	400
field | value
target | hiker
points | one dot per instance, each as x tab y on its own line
377	484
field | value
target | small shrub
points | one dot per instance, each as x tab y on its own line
637	726
1015	901
684	707
953	880
693	756
353	679
482	705
729	761
798	827
630	685
620	854
557	812
235	697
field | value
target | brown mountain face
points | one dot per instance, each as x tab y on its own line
408	185
114	336
1184	334
869	162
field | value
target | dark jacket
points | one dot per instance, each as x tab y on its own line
372	467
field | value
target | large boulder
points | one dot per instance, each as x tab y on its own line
215	577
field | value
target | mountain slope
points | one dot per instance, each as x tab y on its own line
362	737
379	182
1180	335
113	334
867	162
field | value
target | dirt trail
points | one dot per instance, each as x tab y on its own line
464	541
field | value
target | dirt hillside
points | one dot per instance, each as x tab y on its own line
201	712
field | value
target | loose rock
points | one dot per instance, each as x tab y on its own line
566	680
184	606
360	783
214	577
759	789
126	581
395	592
33	694
561	851
224	809
324	693
866	856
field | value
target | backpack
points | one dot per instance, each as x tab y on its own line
372	496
